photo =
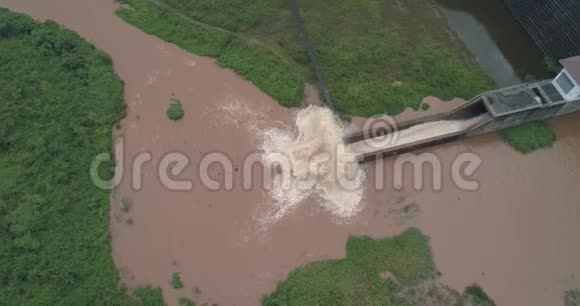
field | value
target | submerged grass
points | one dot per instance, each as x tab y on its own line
529	137
185	302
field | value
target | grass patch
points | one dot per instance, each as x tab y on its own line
191	37
365	48
259	64
356	279
185	302
149	296
572	298
393	271
126	205
528	137
175	110
176	282
378	44
480	297
233	15
264	69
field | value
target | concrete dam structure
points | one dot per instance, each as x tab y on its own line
488	112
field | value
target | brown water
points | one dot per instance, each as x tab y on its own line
517	236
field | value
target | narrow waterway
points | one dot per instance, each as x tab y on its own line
516	235
503	48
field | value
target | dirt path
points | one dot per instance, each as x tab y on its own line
517	236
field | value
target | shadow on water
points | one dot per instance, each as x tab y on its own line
502	46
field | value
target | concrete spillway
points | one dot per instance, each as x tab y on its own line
488	112
414	137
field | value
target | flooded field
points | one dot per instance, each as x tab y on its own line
516	236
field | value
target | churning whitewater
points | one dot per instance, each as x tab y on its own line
311	160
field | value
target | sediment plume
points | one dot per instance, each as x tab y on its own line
311	160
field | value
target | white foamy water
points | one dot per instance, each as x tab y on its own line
414	133
312	161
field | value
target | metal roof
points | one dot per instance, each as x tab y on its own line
553	24
572	66
510	100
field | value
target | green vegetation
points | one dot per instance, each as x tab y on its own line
126	205
176	282
572	298
378	56
386	56
149	296
478	294
356	279
185	302
251	59
529	136
59	99
265	69
374	272
425	106
191	37
175	110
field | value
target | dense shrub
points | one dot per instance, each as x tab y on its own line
59	98
529	136
176	282
175	110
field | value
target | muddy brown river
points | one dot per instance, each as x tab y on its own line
517	236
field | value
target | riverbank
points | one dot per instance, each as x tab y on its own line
380	63
213	238
55	242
